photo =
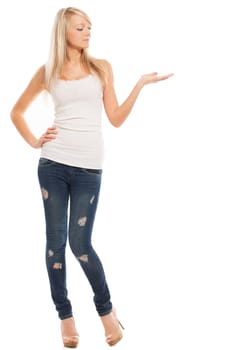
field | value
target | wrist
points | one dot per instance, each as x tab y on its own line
34	143
140	83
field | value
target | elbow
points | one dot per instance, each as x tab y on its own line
116	119
14	115
116	124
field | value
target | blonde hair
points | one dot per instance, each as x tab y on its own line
58	52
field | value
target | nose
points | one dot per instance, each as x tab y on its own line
87	35
88	30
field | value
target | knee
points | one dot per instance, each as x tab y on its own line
55	258
80	248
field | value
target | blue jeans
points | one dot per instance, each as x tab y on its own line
74	191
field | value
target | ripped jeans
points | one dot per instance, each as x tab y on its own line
74	191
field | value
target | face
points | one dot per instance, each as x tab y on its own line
78	32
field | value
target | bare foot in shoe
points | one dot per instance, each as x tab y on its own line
111	325
69	333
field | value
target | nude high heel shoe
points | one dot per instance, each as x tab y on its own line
70	341
70	336
113	328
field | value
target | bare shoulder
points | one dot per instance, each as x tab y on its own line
41	71
106	65
36	84
33	89
39	77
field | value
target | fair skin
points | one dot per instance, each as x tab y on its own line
78	37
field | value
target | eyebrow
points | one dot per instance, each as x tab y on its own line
83	24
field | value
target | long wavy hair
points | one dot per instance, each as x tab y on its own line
58	49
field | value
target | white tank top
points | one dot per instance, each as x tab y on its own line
78	109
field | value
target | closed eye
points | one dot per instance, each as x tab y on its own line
81	29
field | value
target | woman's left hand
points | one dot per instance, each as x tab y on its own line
154	77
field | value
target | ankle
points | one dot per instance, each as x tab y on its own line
68	327
111	324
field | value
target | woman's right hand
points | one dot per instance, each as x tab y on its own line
49	135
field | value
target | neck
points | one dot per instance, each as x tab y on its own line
73	55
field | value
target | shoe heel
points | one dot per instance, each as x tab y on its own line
70	341
121	325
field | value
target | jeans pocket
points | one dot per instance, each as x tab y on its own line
97	172
44	162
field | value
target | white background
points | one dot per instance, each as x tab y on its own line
164	223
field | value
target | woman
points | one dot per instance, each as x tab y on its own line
70	165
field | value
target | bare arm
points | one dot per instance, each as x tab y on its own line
116	113
34	88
